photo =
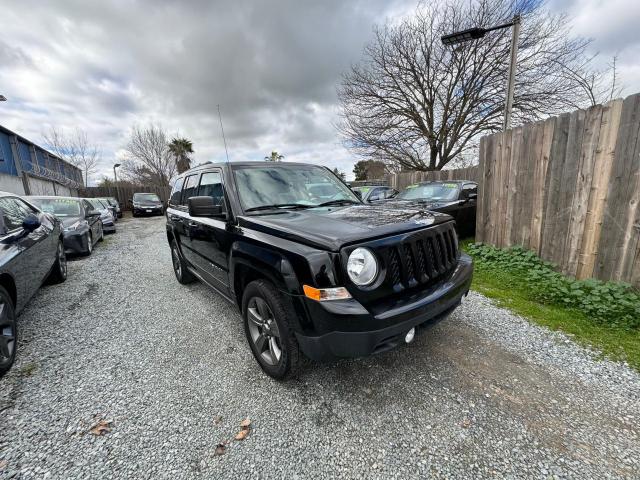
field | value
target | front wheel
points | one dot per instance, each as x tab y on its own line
101	234
266	324
183	275
59	272
8	332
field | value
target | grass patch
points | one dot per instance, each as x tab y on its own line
28	369
509	281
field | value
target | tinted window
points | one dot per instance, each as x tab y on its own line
175	193
431	191
14	211
145	197
190	188
211	186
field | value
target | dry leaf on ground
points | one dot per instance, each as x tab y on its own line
102	427
242	434
246	423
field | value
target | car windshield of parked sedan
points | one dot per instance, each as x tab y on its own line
282	186
430	191
60	207
145	197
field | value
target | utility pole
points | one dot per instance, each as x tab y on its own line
115	180
511	80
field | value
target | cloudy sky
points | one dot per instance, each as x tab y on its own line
272	66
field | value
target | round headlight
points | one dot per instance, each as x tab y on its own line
362	267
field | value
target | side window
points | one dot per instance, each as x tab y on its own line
190	187
175	193
87	206
211	186
14	211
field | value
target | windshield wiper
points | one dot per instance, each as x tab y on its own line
343	201
278	205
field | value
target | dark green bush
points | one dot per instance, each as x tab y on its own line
611	303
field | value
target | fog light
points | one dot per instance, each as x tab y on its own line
410	335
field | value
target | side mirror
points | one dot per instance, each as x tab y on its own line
204	207
93	213
30	223
472	196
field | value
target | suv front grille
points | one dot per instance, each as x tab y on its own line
424	258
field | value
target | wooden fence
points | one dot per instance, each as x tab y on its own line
400	181
124	194
568	188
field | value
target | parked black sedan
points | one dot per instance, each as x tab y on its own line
81	222
31	251
457	198
147	204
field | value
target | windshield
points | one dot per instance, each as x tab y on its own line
284	186
60	207
430	191
145	197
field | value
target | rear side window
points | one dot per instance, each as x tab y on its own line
211	186
175	193
190	188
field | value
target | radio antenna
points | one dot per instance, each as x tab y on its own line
223	138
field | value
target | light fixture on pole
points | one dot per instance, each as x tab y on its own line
476	33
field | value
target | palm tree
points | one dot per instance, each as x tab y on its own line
274	157
180	148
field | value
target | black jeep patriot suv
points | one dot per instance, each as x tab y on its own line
311	267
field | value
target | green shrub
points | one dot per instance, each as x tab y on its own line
609	303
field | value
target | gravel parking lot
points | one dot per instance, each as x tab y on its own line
484	394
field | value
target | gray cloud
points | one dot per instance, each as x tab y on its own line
272	66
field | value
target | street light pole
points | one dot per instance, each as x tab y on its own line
478	32
115	180
511	79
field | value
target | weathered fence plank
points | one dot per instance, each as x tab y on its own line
568	188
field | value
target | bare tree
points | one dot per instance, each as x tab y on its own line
75	148
148	158
417	103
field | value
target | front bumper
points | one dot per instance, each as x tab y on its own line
350	330
148	210
75	241
108	226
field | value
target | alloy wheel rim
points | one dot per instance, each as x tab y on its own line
7	334
263	330
90	243
176	262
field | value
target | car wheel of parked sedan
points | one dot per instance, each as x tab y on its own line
266	326
89	244
8	332
183	275
101	237
59	272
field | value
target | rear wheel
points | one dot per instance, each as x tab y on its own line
183	275
59	272
8	332
266	323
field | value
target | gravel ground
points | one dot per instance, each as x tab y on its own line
483	394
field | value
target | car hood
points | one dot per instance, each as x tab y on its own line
68	221
335	227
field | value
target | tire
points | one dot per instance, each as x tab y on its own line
101	238
183	275
89	249
264	340
8	332
59	271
